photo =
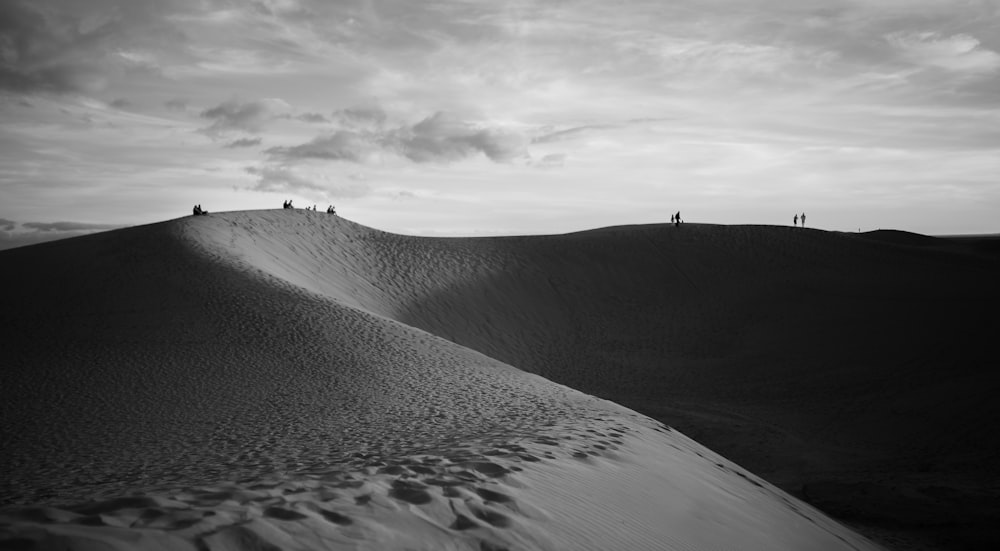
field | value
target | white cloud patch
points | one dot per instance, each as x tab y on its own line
236	116
442	137
69	226
176	104
445	137
312	117
361	117
13	235
244	142
552	160
959	53
277	178
342	145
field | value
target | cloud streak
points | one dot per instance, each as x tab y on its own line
244	142
13	235
242	116
288	179
441	138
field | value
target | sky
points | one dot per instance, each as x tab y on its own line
468	117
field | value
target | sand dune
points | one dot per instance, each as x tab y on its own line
293	379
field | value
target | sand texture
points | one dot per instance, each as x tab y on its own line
293	380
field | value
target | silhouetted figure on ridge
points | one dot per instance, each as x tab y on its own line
795	220
803	217
331	210
677	219
197	210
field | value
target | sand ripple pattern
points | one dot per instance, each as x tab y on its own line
243	381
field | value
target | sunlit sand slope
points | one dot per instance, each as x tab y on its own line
872	346
247	381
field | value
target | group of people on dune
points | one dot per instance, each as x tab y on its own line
198	211
675	219
288	205
797	217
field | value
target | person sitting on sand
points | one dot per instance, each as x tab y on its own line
331	210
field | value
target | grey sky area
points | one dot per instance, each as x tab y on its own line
451	117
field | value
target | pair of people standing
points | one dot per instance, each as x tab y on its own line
798	217
675	219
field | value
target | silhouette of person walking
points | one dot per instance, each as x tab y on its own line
795	220
677	218
803	217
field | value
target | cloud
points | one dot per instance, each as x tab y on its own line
176	104
552	160
368	117
76	47
445	137
312	117
959	53
283	178
442	137
69	226
120	103
234	115
243	142
41	232
342	145
37	55
570	133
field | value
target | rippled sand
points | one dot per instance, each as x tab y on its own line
275	380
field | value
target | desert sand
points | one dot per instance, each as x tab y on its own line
293	380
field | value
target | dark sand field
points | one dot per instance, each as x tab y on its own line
295	380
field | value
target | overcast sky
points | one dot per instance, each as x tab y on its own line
468	117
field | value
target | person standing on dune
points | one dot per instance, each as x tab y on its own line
803	219
795	220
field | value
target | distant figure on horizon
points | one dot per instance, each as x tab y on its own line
197	211
287	204
331	210
803	217
795	220
671	218
677	218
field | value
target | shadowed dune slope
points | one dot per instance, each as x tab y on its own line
875	343
251	380
798	353
163	353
